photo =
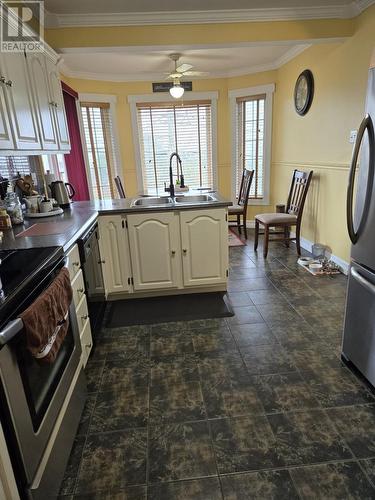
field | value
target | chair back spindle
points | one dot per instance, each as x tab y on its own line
243	196
298	192
119	187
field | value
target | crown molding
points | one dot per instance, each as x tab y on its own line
152	77
343	11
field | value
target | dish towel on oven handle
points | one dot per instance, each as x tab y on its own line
46	320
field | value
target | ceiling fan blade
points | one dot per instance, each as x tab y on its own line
196	73
183	68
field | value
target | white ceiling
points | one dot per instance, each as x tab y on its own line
127	12
86	6
149	64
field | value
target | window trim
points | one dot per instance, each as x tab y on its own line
133	100
268	90
112	101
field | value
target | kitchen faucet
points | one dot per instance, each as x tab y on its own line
182	182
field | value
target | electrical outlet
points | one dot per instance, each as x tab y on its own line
353	136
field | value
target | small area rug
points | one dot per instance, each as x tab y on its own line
234	239
165	309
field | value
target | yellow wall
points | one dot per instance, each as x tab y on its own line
319	140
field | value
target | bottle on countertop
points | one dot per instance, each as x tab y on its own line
5	221
14	208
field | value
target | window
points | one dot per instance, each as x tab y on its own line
55	164
251	139
99	137
164	128
250	112
12	167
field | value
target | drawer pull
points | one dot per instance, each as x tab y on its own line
88	346
85	317
173	252
76	264
80	290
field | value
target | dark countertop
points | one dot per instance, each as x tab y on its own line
83	214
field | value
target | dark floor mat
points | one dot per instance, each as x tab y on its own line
171	308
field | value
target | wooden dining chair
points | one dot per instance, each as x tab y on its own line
291	217
240	208
119	186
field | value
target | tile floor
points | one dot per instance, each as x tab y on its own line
256	406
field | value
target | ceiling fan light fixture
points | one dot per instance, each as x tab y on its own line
176	91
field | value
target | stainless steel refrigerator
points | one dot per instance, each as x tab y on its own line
359	331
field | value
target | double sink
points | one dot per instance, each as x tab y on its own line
166	201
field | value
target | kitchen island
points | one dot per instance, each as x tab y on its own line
149	245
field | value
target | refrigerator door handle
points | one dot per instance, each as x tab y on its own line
365	125
362	280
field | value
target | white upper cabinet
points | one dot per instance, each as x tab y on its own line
18	97
204	241
44	104
57	102
6	137
155	250
114	251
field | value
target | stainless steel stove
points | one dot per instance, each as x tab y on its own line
40	405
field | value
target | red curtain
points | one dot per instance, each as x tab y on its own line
75	162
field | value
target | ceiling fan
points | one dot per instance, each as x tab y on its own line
179	72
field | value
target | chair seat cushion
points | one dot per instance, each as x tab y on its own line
277	218
235	209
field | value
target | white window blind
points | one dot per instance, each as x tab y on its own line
165	128
99	137
250	143
11	166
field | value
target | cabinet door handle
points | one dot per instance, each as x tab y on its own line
88	346
173	252
184	250
85	317
2	79
9	83
80	290
76	264
101	261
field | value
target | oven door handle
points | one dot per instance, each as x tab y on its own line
10	331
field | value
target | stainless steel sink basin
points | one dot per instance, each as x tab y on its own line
152	202
189	200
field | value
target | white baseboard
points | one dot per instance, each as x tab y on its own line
307	245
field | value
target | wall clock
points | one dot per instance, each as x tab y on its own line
304	92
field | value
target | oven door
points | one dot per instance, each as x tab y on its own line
34	393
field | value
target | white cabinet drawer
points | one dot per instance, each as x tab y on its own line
86	343
74	262
78	286
82	314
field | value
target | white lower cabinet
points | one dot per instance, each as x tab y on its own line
80	303
114	251
164	251
155	250
204	240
